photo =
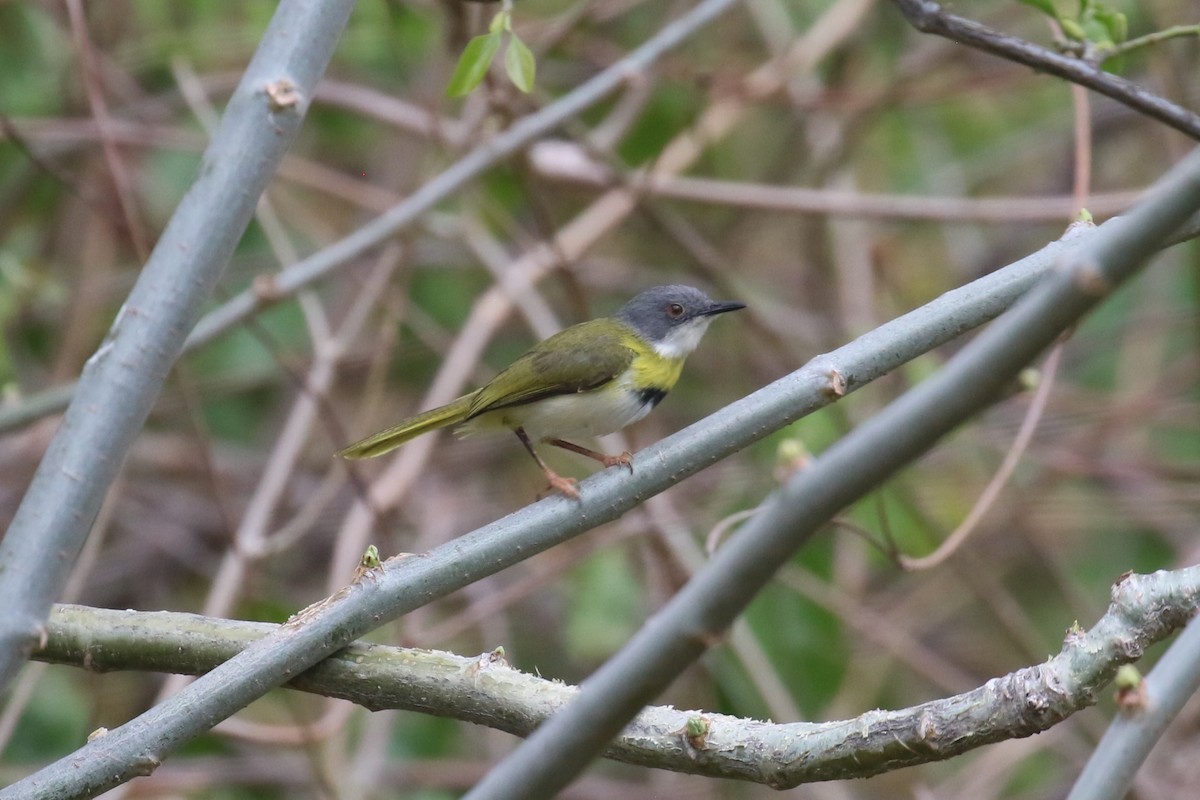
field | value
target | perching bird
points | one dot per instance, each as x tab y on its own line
590	379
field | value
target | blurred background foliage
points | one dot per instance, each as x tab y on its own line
1107	485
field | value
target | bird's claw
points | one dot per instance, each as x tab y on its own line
565	486
623	460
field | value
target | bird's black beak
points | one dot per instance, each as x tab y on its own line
721	308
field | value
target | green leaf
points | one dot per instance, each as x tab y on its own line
1096	32
1045	6
520	64
1073	29
501	22
1114	23
473	64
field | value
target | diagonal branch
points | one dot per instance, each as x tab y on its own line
123	377
929	17
485	690
858	463
409	583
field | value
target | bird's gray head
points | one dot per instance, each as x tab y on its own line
673	318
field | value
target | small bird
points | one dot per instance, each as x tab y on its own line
589	379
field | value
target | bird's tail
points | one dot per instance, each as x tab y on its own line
390	439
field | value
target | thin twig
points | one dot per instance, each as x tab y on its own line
929	17
99	107
991	492
1153	38
565	162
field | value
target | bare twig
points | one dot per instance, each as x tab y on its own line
929	17
991	492
99	107
1153	38
566	162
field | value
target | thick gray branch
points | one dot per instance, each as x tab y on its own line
855	465
409	583
123	377
485	690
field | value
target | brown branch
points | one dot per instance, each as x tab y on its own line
929	17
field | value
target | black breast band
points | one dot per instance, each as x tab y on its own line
652	395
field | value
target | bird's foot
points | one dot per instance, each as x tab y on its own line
565	486
623	460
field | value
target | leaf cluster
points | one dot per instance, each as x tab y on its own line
476	59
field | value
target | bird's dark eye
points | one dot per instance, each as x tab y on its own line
674	311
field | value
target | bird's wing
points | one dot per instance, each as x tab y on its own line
581	358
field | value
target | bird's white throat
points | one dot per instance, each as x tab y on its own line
681	341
